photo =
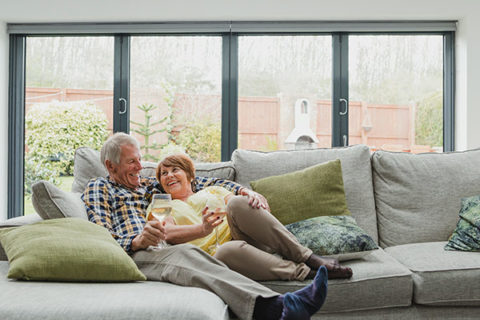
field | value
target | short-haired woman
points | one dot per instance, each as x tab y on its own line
253	242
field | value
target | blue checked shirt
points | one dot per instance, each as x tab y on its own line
122	210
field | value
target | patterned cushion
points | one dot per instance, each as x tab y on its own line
337	236
466	236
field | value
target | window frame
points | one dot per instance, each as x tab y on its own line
229	31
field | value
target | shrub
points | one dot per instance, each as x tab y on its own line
39	169
201	141
54	131
429	121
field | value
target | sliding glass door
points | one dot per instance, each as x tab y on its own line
68	104
208	89
396	92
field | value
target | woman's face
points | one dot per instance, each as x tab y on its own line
175	181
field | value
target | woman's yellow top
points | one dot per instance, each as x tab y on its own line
190	212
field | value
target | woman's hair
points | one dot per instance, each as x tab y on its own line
181	161
112	148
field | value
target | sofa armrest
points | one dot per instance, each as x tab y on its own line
21	221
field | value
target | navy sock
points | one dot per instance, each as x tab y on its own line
268	308
299	305
313	296
293	308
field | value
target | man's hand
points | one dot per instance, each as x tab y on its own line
151	235
255	199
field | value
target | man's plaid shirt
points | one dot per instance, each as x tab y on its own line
122	210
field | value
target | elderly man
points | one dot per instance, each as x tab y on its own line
118	203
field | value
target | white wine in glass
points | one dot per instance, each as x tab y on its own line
159	209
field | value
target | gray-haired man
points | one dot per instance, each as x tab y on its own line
118	202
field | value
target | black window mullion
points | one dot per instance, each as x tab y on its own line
16	125
340	90
229	95
121	84
448	91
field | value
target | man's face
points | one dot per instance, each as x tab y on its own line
126	172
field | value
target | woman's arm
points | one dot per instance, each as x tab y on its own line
176	234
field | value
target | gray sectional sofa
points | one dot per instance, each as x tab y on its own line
407	203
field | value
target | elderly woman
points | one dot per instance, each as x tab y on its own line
248	237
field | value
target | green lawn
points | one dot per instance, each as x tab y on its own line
65	184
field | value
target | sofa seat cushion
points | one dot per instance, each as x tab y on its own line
441	277
378	281
356	172
24	300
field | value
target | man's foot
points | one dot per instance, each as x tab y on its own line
303	303
335	270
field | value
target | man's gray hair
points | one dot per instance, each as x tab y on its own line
112	148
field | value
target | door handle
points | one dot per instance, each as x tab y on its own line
120	100
346	106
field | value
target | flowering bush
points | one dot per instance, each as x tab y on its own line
54	131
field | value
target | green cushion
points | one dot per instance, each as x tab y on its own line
311	192
68	249
337	236
466	236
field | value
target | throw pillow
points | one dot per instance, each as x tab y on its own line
68	249
311	192
336	236
466	236
51	202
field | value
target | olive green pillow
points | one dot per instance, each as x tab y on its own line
311	192
67	249
466	236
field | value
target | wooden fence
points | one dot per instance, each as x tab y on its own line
264	122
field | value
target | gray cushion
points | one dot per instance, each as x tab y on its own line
378	281
418	196
52	203
356	170
87	165
120	301
224	170
441	277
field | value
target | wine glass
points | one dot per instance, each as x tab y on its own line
159	209
217	205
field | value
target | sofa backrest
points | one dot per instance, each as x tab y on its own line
356	172
418	197
87	165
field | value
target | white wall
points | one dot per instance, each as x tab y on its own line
465	11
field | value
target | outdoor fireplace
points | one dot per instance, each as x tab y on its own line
301	137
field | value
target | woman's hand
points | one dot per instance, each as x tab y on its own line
211	219
255	199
